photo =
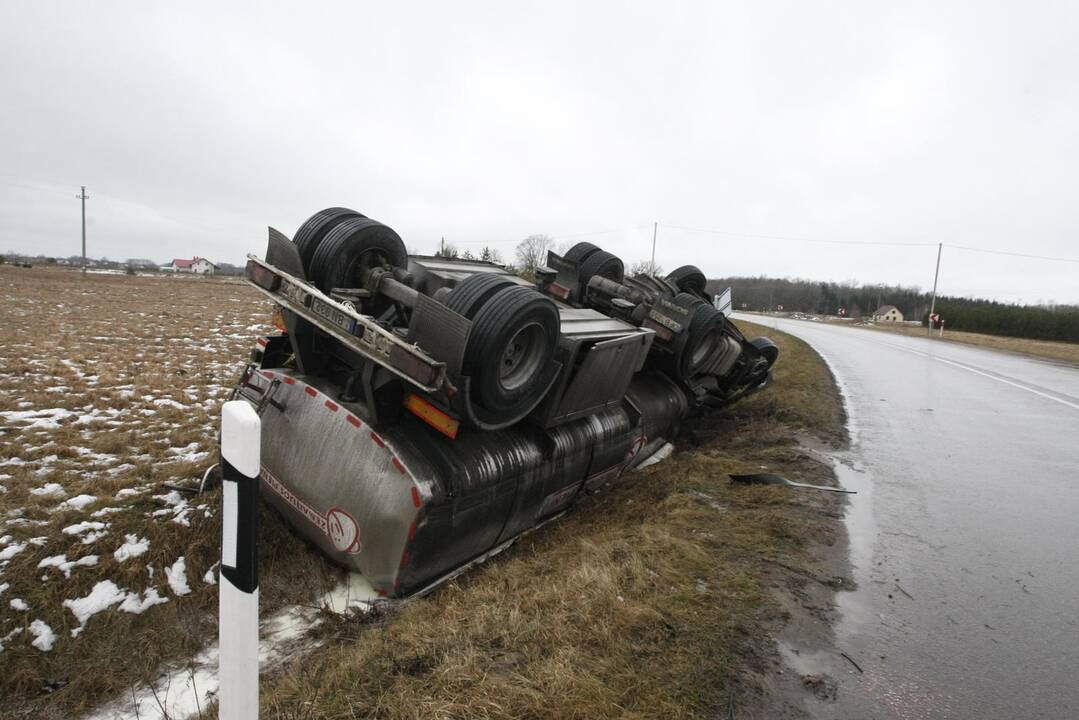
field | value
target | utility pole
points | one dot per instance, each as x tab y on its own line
442	251
83	196
655	227
933	302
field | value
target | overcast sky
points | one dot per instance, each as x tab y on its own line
195	125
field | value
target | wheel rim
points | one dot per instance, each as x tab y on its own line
357	271
521	357
702	350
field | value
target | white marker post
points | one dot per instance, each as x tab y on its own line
238	629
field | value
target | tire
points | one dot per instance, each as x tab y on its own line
600	263
580	251
512	343
471	293
696	348
315	229
352	246
688	278
767	349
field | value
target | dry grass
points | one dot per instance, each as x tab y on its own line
654	598
1067	352
133	371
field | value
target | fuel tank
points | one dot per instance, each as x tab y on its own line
407	506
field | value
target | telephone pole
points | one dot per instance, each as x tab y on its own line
83	196
933	302
655	226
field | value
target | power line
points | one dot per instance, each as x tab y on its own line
1012	254
790	238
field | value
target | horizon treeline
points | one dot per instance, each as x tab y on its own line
1039	322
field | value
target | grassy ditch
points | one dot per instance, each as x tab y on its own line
654	598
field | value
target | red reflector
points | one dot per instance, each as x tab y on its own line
290	381
559	290
412	531
354	421
400	466
431	415
416	496
310	391
378	441
331	405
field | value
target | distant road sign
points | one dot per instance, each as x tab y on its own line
779	307
842	311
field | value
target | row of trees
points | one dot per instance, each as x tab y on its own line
821	298
1040	322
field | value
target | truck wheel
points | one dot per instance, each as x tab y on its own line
700	340
768	349
315	228
579	252
471	293
512	343
353	247
600	263
688	278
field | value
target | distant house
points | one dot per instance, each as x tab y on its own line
197	265
888	313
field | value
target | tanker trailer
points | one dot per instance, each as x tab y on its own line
420	413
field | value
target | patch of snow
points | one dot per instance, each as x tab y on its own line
4	586
133	547
48	418
167	402
44	637
19	604
49	489
11	551
93	537
134	604
104	595
128	492
210	578
82	527
105	511
78	502
61	563
177	577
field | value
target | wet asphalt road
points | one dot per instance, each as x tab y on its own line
964	534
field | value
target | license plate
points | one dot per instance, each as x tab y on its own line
333	315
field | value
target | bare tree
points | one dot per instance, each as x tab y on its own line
491	255
532	252
645	267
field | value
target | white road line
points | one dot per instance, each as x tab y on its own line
968	368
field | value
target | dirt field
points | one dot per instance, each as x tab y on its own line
654	598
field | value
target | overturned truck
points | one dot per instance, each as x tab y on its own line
420	413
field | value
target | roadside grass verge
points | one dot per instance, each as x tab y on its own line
653	598
1053	350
